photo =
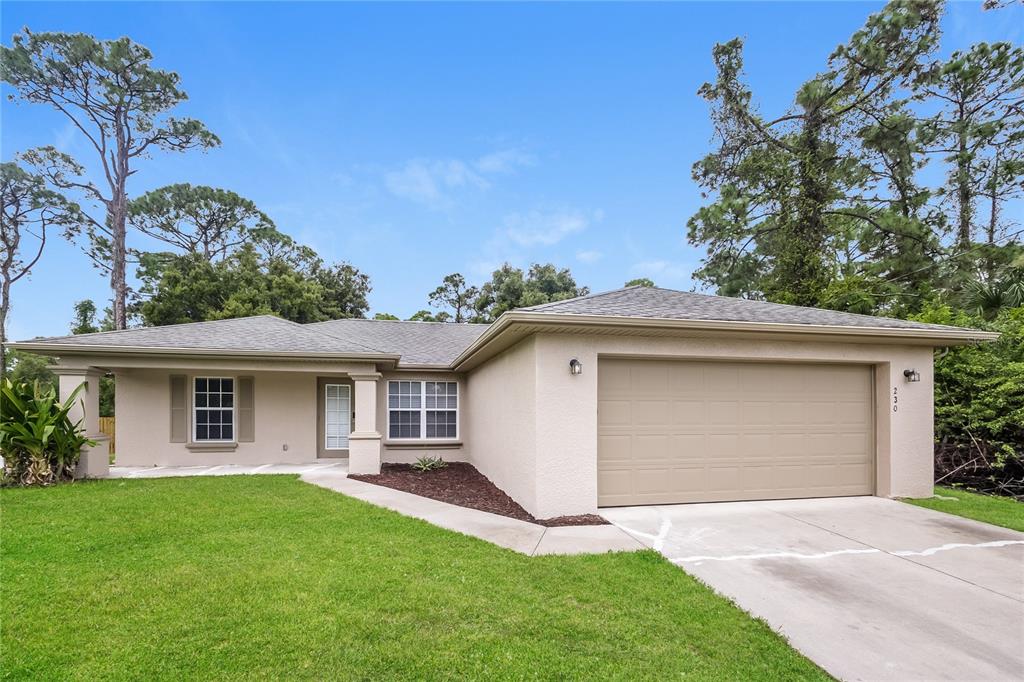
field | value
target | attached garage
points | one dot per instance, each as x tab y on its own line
673	431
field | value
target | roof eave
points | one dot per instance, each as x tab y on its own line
937	337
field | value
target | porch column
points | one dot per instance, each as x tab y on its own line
95	460
364	441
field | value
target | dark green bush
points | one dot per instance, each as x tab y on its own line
39	442
979	405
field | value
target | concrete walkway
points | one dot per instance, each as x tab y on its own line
867	588
520	536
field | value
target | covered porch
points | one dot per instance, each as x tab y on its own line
228	412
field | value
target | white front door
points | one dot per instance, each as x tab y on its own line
337	416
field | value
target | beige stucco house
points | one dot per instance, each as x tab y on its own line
635	396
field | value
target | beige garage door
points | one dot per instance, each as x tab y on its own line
674	431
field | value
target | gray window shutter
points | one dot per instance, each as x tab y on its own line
246	411
179	408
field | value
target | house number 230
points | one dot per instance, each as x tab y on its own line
895	398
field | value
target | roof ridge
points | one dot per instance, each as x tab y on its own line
365	319
541	306
333	337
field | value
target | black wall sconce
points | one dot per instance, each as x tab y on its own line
575	367
911	375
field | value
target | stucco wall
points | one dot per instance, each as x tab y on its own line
502	420
285	414
565	441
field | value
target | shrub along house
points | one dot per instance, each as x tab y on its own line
634	396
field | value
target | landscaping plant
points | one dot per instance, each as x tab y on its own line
425	464
979	406
39	442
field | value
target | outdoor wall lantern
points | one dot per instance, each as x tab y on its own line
911	375
575	367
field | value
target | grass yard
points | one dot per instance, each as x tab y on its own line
999	511
266	577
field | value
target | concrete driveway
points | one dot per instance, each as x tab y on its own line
868	588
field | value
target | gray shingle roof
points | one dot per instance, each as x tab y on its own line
653	302
259	333
419	343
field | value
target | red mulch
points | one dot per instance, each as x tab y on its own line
460	483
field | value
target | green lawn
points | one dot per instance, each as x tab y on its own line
267	577
1001	511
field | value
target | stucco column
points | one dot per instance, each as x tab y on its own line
95	460
364	441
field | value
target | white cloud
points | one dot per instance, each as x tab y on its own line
433	182
429	182
589	256
547	227
504	161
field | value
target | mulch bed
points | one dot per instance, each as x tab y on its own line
460	483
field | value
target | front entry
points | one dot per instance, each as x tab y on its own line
334	418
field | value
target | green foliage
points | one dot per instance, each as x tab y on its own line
425	464
978	130
385	316
454	294
427	316
640	282
257	279
28	209
40	444
111	94
509	289
28	368
203	220
792	193
979	400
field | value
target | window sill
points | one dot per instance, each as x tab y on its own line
423	444
212	447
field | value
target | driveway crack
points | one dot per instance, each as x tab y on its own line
896	554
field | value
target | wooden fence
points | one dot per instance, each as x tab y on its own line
107	428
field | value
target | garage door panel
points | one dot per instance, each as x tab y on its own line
683	431
652	413
689	412
614	449
615	412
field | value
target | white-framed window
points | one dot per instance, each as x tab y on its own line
423	410
213	409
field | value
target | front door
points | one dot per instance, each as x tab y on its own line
337	416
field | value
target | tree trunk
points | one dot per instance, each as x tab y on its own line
963	194
801	277
5	305
993	218
118	283
118	213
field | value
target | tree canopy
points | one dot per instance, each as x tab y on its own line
119	103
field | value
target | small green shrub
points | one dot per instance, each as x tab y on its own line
40	444
424	464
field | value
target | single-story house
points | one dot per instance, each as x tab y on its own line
634	396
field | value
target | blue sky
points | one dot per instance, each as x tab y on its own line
415	140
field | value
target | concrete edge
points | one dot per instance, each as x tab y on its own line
524	537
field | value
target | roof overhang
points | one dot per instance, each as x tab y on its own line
515	325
